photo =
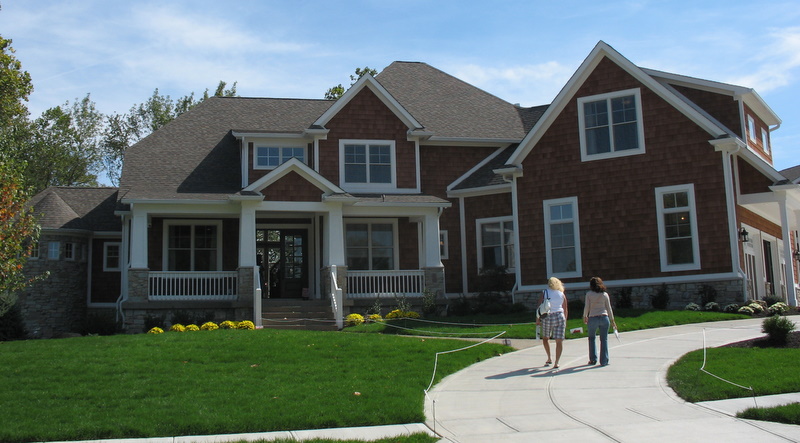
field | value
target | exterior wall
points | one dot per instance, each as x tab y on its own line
292	187
365	117
105	285
487	206
756	144
441	166
408	235
616	198
722	107
55	305
254	174
750	180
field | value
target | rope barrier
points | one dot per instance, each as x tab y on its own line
703	369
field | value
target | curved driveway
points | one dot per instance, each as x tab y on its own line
515	398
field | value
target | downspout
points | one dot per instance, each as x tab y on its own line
462	217
124	266
730	198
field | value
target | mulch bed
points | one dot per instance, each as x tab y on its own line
792	341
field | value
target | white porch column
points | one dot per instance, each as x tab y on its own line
433	256
138	241
247	234
334	236
791	293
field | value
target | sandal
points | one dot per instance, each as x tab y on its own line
547	363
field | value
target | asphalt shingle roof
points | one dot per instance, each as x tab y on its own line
90	209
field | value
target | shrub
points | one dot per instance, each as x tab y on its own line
761	303
105	324
155	330
247	324
707	294
429	302
746	310
661	299
692	307
411	314
354	320
778	329
461	306
209	326
227	324
394	314
778	308
731	308
771	300
12	326
402	303
192	328
152	321
622	298
756	307
375	318
711	306
177	327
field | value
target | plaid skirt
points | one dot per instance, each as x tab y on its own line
554	326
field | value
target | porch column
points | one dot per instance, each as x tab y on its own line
791	292
138	241
334	236
433	256
247	234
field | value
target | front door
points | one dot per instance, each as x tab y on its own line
282	256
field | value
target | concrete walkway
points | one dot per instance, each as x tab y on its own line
515	398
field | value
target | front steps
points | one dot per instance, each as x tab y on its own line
298	314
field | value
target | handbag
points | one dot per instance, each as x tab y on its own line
544	308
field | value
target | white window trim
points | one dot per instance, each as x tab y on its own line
395	239
36	251
444	243
662	237
368	187
765	140
277	144
636	92
107	268
69	251
751	128
573	201
165	245
479	238
54	246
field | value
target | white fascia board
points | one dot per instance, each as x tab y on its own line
287	135
299	207
478	192
367	81
107	234
178	207
470	142
145	201
295	165
601	50
387	211
374	204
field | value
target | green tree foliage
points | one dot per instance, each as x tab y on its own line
338	90
15	85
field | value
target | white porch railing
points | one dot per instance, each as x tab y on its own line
171	285
370	284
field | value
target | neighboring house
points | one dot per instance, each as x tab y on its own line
415	181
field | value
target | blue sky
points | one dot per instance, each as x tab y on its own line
521	51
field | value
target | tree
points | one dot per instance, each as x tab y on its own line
15	85
337	91
122	131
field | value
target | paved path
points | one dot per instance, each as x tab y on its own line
515	398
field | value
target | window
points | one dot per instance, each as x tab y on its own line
34	249
370	245
765	140
111	256
677	228
751	128
611	125
53	250
562	237
270	157
443	245
495	243
69	251
192	246
367	163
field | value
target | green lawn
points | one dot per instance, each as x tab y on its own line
218	382
522	325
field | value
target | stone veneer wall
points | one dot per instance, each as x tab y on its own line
56	305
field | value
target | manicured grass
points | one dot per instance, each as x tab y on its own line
789	414
413	438
766	370
218	382
522	325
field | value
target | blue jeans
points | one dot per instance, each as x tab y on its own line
602	323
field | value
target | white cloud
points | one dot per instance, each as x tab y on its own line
778	63
528	85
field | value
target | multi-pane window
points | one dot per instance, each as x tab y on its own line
611	125
193	246
69	251
370	246
368	163
53	250
443	245
496	243
562	238
269	157
751	128
677	228
765	140
111	256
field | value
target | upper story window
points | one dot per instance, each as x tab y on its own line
751	128
270	157
192	245
444	246
54	250
111	256
367	164
69	251
562	237
496	243
677	228
611	125
370	245
765	140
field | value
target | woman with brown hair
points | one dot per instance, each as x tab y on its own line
597	314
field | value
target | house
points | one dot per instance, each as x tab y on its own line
414	182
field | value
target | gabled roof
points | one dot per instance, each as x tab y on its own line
294	165
792	174
601	51
451	108
89	209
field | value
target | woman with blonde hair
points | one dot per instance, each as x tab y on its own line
554	325
597	314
